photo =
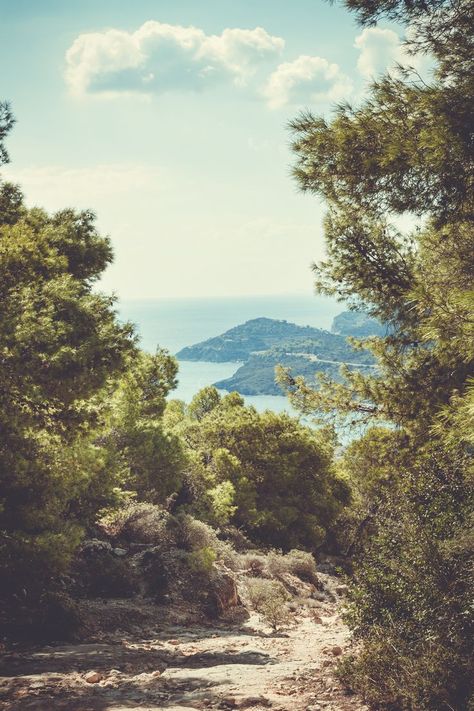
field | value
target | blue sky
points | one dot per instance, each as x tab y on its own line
168	119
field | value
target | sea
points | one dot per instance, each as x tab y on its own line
178	322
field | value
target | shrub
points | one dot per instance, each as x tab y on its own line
296	562
202	560
194	535
99	573
137	522
59	617
411	602
163	571
253	563
269	598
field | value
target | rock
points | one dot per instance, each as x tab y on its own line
342	589
93	677
224	591
317	620
248	701
120	551
336	651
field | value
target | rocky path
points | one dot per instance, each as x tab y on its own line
176	667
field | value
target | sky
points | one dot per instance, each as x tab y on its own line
169	119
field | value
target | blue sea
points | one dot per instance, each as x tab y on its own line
175	323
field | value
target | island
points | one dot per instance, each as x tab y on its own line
263	343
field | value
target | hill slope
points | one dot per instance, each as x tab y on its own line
263	343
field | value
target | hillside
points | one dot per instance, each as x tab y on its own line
263	343
358	324
238	343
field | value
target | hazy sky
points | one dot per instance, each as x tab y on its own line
168	118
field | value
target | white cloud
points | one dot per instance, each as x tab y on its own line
160	57
306	79
381	49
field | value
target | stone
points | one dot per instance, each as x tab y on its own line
93	677
336	651
120	552
224	592
248	701
342	589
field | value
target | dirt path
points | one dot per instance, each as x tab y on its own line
178	667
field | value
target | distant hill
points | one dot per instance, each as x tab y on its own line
263	343
358	324
238	343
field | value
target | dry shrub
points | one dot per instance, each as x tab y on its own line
298	563
137	522
269	598
253	563
194	535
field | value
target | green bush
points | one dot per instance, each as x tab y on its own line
411	600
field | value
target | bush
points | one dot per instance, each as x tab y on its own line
100	573
411	602
163	571
296	562
193	535
137	522
269	598
59	617
254	563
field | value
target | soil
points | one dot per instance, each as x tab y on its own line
148	657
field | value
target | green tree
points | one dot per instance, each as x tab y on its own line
406	149
267	473
60	344
151	455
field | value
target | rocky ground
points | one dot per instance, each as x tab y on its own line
163	659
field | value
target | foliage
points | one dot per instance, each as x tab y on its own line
101	573
411	602
151	458
265	473
60	344
138	522
299	563
269	598
405	150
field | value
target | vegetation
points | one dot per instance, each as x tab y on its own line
357	323
95	457
265	473
264	343
269	598
407	148
109	488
